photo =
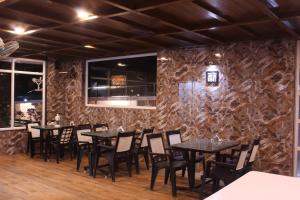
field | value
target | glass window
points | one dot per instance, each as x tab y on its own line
28	98
5	100
22	85
5	65
127	82
26	66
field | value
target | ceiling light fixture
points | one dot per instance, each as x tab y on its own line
121	64
84	15
218	55
18	30
89	46
163	59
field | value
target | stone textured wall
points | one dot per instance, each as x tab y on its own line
12	142
255	97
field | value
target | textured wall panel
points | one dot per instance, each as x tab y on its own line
255	97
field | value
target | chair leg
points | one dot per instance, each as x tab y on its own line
173	182
57	152
28	146
137	164
71	152
215	185
167	175
183	171
129	164
96	161
146	156
90	158
153	177
31	149
79	157
112	170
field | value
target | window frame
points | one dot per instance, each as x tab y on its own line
12	72
106	59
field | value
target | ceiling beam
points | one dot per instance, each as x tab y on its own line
8	3
219	16
260	5
118	5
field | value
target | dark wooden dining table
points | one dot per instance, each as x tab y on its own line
207	146
45	134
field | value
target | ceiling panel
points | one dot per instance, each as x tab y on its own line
237	10
193	16
127	26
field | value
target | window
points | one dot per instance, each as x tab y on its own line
22	96
128	81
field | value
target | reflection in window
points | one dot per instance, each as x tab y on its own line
28	98
122	82
5	65
5	99
21	82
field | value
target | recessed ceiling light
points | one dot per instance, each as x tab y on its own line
89	46
85	15
163	59
18	30
218	55
121	64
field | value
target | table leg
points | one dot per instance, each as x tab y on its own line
41	143
47	142
192	168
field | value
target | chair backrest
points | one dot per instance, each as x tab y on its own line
173	137
145	132
34	132
83	128
254	150
156	143
148	130
125	142
65	134
242	157
101	127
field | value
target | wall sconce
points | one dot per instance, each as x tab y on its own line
212	78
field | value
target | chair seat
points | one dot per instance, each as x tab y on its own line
166	164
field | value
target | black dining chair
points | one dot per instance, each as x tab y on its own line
63	140
252	156
141	148
33	137
121	152
100	127
175	137
83	143
161	159
227	172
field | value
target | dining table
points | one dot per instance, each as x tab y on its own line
205	146
45	136
260	185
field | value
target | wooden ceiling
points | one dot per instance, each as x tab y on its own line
136	26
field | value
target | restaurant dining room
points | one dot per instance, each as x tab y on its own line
149	99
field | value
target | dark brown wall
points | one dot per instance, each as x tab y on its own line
255	97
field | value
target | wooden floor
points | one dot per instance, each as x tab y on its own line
22	178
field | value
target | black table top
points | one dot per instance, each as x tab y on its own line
50	127
206	145
102	134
